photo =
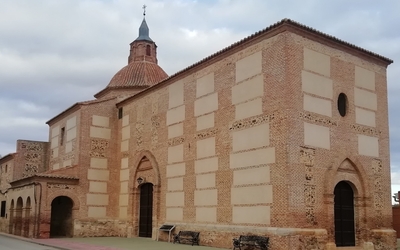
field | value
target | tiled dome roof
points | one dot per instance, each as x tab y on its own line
138	73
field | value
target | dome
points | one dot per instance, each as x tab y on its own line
138	74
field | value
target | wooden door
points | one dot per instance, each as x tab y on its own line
146	210
344	215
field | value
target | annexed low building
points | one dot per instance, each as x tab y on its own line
282	134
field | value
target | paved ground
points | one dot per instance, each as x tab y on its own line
9	243
108	243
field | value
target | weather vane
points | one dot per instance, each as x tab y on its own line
144	9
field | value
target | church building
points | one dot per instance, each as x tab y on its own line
282	134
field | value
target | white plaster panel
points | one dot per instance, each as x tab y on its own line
317	136
175	94
126	132
251	176
97	187
205	180
247	90
206	104
71	134
175	153
174	214
175	184
364	78
175	130
205	147
56	166
368	145
317	85
71	122
54	142
259	194
103	133
98	163
176	170
253	214
206	165
124	174
175	199
68	147
365	117
254	137
205	85
100	175
125	145
248	109
248	66
97	199
176	115
124	163
123	212
206	214
317	62
125	120
365	99
124	187
100	121
55	131
317	105
123	199
96	212
252	158
206	197
205	121
67	163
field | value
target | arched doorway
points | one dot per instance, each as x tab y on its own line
27	217
146	210
344	215
18	217
61	217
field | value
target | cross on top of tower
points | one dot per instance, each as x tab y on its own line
144	9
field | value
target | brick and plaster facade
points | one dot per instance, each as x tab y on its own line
262	137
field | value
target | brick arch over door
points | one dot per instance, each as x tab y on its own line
69	194
359	180
138	158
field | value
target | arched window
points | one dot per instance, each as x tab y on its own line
148	50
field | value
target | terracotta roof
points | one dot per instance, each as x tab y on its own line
276	26
53	176
138	74
11	155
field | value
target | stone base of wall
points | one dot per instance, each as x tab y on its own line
282	238
279	238
100	228
384	239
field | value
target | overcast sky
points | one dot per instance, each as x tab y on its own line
54	53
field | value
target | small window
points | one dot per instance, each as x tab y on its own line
148	50
62	135
342	104
120	113
3	209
